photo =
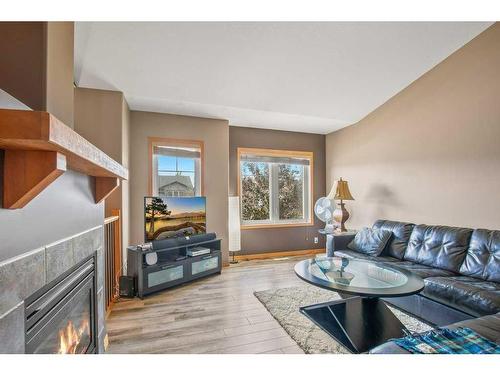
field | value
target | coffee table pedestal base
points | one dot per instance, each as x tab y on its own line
358	323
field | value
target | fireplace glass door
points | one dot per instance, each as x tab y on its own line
71	333
62	321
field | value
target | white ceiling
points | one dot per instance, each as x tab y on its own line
309	77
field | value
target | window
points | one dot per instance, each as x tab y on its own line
176	168
275	187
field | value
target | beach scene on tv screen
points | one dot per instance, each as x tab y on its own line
168	217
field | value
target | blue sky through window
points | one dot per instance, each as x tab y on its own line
172	165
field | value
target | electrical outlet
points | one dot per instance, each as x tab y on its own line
316	240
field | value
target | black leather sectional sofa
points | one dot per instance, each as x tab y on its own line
460	268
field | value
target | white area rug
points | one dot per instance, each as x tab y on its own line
283	304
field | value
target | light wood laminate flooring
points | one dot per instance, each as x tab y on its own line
217	314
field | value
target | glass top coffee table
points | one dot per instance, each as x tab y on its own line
360	320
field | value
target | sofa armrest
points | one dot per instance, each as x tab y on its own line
337	241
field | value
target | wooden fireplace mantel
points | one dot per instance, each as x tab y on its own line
39	148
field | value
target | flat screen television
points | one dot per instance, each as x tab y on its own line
170	217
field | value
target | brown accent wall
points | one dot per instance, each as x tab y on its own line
264	240
37	65
22	47
214	134
430	154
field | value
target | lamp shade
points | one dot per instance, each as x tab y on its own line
341	191
234	224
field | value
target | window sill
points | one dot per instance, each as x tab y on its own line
271	226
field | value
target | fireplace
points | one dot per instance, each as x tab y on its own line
61	317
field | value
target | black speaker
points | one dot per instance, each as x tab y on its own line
182	241
127	286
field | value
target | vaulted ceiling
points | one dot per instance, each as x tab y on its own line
309	77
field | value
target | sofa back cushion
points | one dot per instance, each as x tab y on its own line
483	256
370	241
438	246
396	246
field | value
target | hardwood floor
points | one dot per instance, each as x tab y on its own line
218	314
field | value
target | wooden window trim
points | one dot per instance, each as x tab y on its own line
279	153
158	141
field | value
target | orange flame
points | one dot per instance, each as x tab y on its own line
70	337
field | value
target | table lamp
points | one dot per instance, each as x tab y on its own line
234	226
341	192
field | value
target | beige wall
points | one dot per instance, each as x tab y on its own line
279	239
125	190
102	117
431	154
214	134
59	60
98	118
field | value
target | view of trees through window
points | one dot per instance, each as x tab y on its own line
255	191
291	188
272	191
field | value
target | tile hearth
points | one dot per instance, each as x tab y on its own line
21	276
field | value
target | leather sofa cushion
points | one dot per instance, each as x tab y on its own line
468	294
370	241
483	255
422	270
487	326
396	246
355	255
438	246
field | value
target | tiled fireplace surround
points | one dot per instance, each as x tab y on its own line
23	275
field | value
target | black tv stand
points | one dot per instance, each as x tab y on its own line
173	266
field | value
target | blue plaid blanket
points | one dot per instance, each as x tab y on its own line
446	341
